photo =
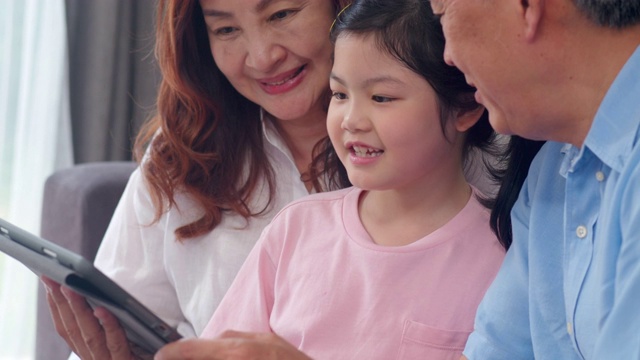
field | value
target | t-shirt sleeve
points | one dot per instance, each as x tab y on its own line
501	329
248	303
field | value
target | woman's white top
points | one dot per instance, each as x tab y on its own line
183	282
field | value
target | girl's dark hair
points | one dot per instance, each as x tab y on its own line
408	31
510	173
206	139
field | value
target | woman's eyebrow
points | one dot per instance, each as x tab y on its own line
260	6
216	13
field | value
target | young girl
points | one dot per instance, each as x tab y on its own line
395	266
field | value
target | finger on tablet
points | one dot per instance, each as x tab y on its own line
55	315
116	339
64	319
91	334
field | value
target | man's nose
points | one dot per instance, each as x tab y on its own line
448	59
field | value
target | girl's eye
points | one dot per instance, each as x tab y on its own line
338	95
281	15
381	99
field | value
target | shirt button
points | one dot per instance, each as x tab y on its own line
581	231
569	328
600	176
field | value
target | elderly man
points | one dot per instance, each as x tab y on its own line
566	71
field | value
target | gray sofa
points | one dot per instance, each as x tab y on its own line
77	207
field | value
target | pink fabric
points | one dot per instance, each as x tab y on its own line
317	279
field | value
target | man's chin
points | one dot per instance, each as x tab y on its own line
499	124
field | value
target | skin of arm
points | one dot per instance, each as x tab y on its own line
232	345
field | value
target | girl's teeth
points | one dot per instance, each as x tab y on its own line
366	152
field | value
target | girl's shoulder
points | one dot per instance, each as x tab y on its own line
323	202
329	195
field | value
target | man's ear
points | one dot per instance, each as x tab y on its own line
532	11
465	120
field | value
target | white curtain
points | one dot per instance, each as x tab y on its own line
35	140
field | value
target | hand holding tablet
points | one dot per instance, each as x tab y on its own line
143	328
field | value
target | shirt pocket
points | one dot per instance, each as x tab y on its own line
420	341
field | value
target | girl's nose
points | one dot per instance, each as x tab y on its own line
355	120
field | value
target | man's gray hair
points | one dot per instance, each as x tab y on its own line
611	13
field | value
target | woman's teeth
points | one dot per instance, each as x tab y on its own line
286	79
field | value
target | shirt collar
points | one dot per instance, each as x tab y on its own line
271	134
615	126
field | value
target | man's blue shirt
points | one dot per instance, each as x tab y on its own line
569	287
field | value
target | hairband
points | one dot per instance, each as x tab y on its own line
337	16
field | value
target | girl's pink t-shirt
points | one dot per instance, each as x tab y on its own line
318	280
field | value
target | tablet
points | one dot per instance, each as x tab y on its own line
65	267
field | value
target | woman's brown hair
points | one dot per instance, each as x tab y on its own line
206	139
